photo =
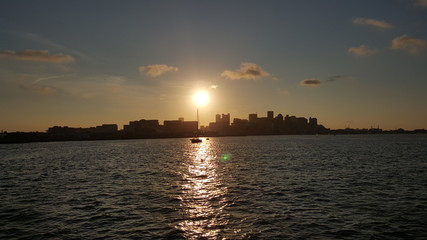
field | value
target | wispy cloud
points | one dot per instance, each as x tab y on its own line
345	78
335	78
409	44
37	56
91	87
420	3
45	90
310	82
372	22
362	50
39	89
246	71
157	69
42	79
52	45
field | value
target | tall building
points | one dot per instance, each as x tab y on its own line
253	117
221	124
312	121
218	118
225	120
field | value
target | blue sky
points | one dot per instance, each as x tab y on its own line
84	63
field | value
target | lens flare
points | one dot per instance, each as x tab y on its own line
225	157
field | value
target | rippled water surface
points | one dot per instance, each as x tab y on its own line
275	187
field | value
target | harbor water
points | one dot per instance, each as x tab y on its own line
263	187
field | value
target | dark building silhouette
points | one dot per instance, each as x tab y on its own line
226	119
180	127
261	125
268	125
255	125
278	125
105	131
106	128
221	125
141	128
270	114
312	121
239	126
295	125
253	117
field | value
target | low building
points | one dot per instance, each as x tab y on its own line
180	128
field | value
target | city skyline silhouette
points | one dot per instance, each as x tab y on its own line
242	119
82	63
223	126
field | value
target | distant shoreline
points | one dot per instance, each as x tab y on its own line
30	137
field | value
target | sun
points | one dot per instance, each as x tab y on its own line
201	98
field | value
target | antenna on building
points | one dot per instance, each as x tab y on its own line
197	118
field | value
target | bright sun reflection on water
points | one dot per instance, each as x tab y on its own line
203	196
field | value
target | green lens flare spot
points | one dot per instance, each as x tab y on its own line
225	157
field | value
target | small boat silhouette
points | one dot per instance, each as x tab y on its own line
195	140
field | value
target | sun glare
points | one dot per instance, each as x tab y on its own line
201	98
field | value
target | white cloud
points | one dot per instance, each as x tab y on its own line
246	71
372	22
409	44
42	79
157	69
362	50
37	56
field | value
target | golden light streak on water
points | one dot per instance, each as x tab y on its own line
203	196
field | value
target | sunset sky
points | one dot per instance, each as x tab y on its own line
86	63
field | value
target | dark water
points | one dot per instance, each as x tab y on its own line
280	187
